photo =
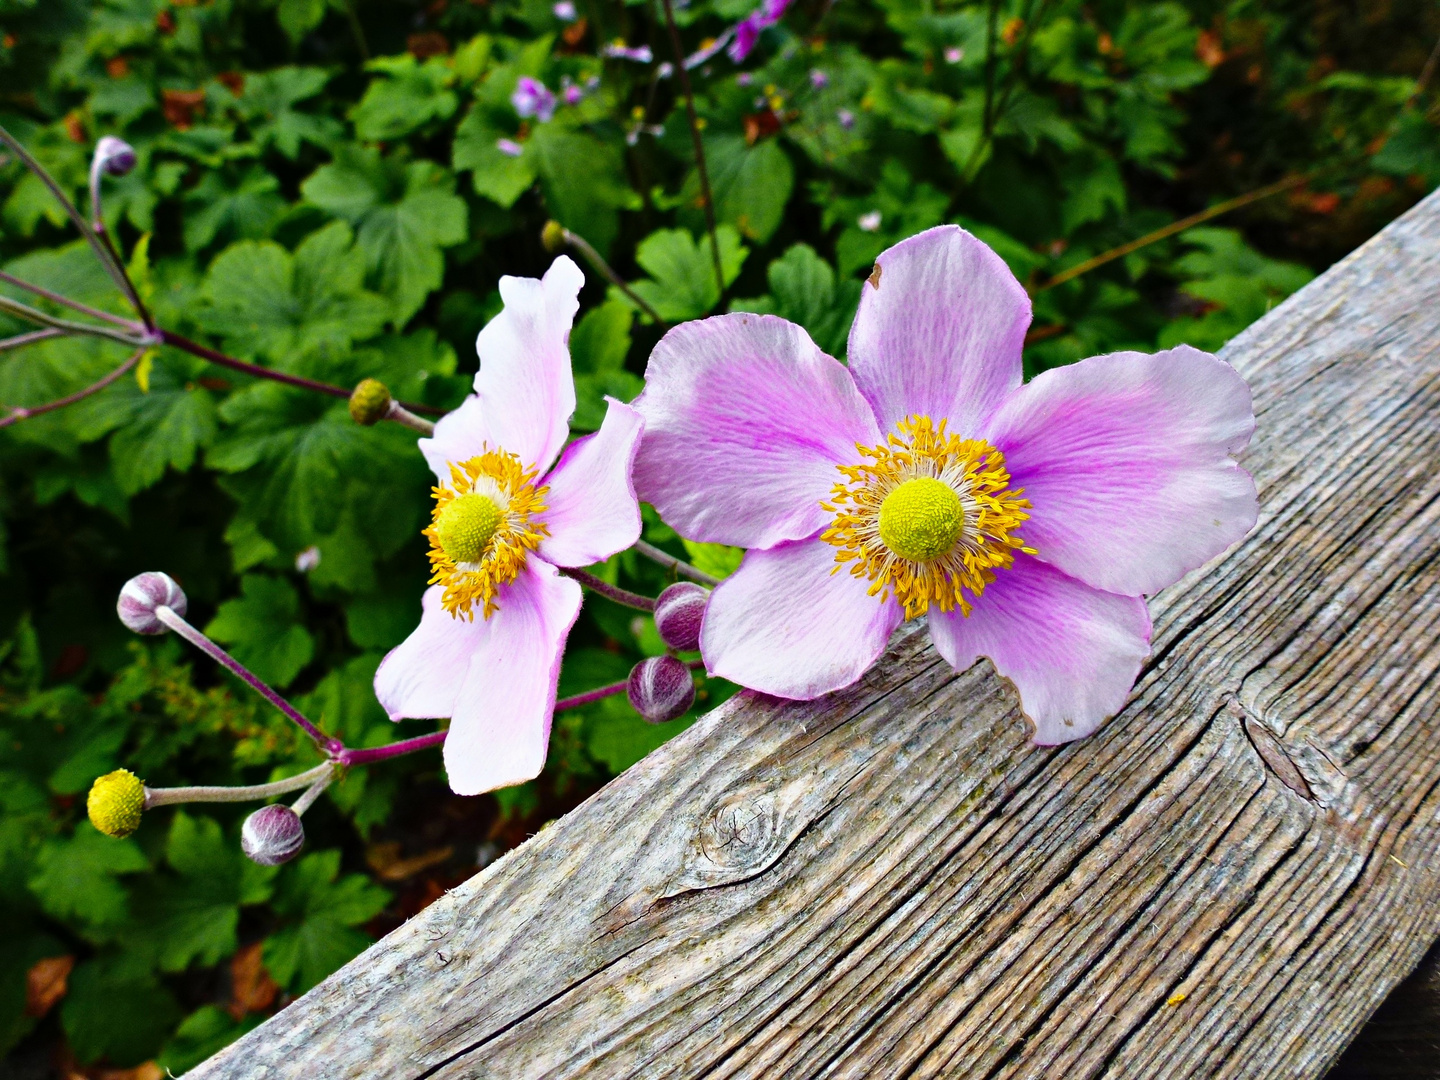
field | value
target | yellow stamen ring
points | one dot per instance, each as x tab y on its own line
482	530
928	516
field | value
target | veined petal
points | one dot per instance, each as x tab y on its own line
1073	652
939	332
592	511
793	623
422	676
524	383
500	729
459	435
1126	460
745	421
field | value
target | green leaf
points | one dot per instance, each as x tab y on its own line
113	1011
803	289
268	103
618	738
200	1035
409	96
246	210
77	878
682	281
751	184
499	176
405	216
584	182
321	912
263	629
298	17
266	302
717	560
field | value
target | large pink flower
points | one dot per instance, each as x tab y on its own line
487	651
1027	520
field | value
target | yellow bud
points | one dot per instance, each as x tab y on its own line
553	237
116	802
369	402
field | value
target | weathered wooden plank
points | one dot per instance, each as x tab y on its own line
1226	881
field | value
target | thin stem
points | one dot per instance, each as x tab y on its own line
705	193
577	700
1426	73
220	656
402	415
35	315
22	413
218	358
670	562
112	266
97	225
620	596
1173	228
595	259
313	792
74	305
166	796
19	341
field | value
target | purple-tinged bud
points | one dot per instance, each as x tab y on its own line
678	612
142	595
115	156
661	689
272	835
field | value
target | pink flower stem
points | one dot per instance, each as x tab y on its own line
75	305
220	656
670	562
19	413
624	597
348	757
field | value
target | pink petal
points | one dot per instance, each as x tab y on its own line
459	436
500	729
524	383
1073	652
422	676
939	331
1126	460
786	623
592	511
745	421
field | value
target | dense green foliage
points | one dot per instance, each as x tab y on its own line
332	188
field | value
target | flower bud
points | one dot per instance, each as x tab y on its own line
661	689
272	835
678	611
115	156
142	595
115	803
370	402
553	237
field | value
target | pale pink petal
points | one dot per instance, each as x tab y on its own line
591	508
1127	461
500	729
459	436
787	624
524	383
939	332
421	677
745	421
1073	652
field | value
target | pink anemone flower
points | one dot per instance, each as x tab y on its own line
1027	521
487	651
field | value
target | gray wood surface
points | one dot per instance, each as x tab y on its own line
893	882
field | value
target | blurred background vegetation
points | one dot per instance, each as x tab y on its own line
333	187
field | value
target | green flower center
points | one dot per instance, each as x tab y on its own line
921	519
466	526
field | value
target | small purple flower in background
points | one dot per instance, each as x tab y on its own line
1028	520
846	119
744	78
498	610
869	222
509	147
533	98
570	93
564	11
818	79
954	55
747	30
618	50
308	559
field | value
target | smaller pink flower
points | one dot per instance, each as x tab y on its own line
487	651
1028	521
818	79
509	147
533	98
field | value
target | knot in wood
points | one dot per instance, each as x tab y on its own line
736	836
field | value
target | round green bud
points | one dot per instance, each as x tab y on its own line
115	803
553	237
370	402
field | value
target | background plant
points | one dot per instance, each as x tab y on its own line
331	189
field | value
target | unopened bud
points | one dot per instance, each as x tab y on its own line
272	835
661	689
678	613
115	156
142	595
115	803
370	402
553	237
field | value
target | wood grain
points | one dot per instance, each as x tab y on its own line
893	882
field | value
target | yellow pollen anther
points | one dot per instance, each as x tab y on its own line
115	803
466	526
921	519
